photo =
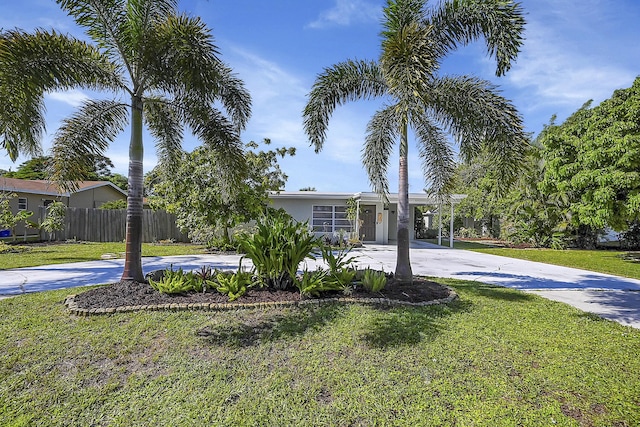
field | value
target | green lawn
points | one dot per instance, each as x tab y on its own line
602	261
496	357
85	251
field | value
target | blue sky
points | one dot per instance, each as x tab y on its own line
575	50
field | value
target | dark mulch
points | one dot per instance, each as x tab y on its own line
122	294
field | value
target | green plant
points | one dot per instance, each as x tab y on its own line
8	219
234	285
54	221
373	280
114	204
312	283
337	260
177	282
277	247
340	272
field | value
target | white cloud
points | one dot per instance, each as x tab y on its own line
562	70
74	97
278	97
346	12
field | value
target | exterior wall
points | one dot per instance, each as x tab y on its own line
95	197
35	202
302	210
91	198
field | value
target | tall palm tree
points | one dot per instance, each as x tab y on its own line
415	40
159	68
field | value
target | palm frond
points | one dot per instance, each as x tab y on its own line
346	81
409	61
180	56
22	123
33	64
382	134
165	125
500	22
478	117
234	97
438	165
217	133
400	13
82	137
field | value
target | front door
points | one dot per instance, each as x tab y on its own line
368	227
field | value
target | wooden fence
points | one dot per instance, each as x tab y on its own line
109	225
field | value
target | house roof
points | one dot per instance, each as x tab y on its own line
414	198
50	188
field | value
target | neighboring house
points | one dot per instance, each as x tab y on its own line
326	212
35	195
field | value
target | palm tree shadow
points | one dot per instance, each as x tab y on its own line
409	326
254	328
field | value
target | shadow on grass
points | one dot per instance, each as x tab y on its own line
404	326
494	292
257	327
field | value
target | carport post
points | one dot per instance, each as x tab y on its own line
451	226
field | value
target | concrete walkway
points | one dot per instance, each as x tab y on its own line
609	296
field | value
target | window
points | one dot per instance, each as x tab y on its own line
22	203
328	219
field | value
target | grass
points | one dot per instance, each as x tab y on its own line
496	357
601	261
85	251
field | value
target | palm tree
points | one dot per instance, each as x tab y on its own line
160	69
415	40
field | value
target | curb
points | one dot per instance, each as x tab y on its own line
70	303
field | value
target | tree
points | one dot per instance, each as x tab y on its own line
208	208
594	157
39	168
54	221
164	63
415	40
9	220
35	168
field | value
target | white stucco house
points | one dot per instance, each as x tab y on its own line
326	212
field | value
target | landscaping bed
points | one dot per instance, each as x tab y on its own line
131	294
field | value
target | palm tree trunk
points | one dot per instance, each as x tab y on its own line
133	243
403	264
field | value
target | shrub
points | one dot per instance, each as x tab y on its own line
313	283
277	247
177	282
374	281
114	204
234	285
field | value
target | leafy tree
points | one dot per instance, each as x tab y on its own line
594	158
39	168
114	204
415	41
484	201
9	220
531	215
163	62
35	168
208	208
54	221
119	181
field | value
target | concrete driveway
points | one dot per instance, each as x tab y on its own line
612	297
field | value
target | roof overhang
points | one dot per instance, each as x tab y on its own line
366	197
